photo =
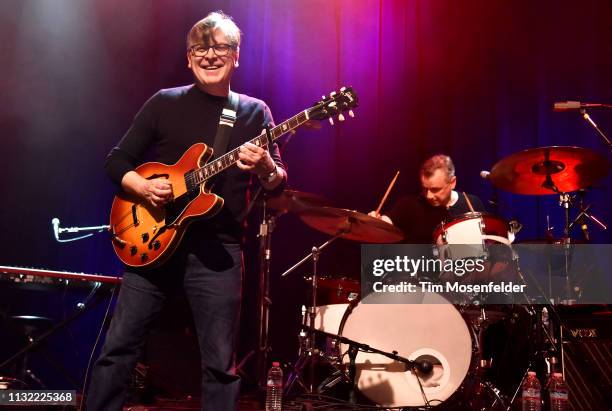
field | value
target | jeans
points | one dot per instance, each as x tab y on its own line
211	275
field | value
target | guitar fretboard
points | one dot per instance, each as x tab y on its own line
197	177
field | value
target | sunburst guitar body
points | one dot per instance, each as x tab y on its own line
144	235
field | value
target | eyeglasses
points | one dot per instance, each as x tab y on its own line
220	50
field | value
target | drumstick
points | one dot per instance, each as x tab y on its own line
469	203
382	202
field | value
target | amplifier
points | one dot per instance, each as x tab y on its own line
587	358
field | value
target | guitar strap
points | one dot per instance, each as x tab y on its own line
226	124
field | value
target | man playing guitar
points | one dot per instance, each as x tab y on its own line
207	264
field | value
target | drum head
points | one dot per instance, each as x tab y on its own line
468	228
429	329
328	317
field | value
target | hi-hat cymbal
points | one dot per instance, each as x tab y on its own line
295	201
351	225
549	170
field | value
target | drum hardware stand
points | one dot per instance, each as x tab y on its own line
264	302
308	351
580	218
265	253
481	381
566	201
542	332
266	227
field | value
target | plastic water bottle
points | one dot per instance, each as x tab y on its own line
531	393
274	388
558	393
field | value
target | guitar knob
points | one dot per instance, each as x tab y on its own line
156	245
145	237
144	257
133	250
120	244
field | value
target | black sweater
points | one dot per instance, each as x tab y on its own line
172	121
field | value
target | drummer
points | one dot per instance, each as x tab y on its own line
418	216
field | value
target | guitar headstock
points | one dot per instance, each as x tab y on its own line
335	104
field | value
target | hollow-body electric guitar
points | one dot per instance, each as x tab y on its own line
146	236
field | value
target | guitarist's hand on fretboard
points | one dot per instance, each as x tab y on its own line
257	160
156	191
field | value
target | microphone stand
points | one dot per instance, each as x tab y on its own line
589	120
57	230
264	301
354	347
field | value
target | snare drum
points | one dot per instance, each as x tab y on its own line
476	229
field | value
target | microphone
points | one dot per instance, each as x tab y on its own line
576	105
485	175
424	367
55	222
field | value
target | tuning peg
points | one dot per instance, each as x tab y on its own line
333	93
331	121
342	88
351	114
340	117
323	97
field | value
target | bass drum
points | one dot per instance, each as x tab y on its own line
428	327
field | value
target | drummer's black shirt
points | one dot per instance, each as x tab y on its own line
418	219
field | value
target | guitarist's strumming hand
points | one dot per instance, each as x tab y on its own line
156	192
257	160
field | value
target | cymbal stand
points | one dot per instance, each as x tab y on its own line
307	353
565	202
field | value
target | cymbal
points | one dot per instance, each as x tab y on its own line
548	170
295	201
351	225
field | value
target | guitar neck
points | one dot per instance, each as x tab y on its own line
230	158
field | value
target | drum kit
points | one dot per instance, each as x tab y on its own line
428	352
